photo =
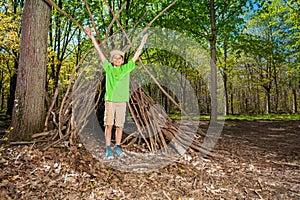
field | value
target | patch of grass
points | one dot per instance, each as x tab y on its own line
180	117
243	117
264	117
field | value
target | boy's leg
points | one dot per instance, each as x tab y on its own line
108	121
108	151
119	132
118	149
108	131
120	120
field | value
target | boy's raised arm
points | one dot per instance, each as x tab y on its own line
88	31
139	50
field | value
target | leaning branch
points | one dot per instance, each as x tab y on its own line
93	22
51	3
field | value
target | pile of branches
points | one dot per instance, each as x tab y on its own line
155	126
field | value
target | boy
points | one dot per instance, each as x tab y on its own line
117	91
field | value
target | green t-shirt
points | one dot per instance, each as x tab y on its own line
117	81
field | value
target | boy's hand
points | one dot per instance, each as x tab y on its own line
88	31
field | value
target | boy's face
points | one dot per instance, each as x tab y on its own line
117	60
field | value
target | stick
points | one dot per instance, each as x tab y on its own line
41	134
286	163
56	142
26	142
50	109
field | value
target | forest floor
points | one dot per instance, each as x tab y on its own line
258	160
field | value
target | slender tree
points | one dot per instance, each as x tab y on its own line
206	21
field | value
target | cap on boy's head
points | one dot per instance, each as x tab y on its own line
116	52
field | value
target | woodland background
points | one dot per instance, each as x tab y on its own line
255	45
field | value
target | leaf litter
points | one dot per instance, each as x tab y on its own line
259	160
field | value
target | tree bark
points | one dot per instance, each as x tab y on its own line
29	105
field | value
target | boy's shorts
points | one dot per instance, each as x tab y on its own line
115	113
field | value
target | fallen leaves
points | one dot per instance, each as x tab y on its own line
28	172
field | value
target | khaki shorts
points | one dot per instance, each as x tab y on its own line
115	113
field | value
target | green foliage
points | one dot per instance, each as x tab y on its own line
10	25
10	20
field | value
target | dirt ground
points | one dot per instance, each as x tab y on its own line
257	160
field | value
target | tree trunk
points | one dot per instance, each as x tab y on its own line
2	90
11	97
295	106
212	41
29	105
231	103
268	105
276	88
225	79
258	103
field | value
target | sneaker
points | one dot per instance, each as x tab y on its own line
108	152
119	151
